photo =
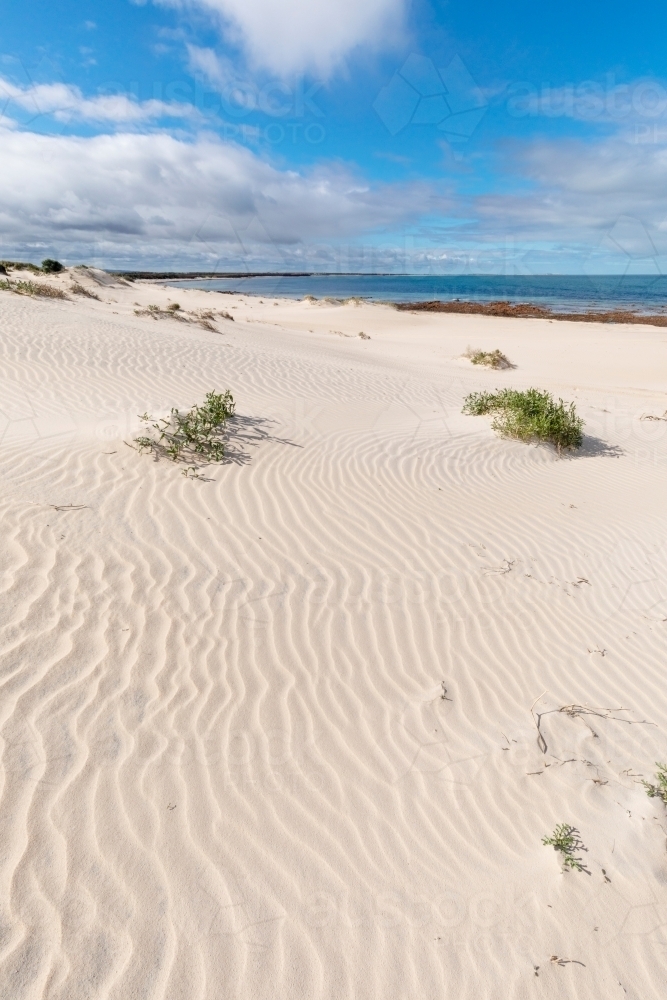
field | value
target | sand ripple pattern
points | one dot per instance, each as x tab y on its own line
269	736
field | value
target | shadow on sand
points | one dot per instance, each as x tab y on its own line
241	434
593	447
244	433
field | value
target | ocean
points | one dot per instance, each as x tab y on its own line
562	293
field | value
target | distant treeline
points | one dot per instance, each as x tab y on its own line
181	275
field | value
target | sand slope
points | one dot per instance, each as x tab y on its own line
227	766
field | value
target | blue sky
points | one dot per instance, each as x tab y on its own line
366	134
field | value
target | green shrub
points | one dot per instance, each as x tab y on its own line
565	840
52	266
529	415
193	434
659	790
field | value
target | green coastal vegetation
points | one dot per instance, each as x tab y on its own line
529	415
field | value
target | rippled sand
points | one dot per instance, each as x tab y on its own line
274	735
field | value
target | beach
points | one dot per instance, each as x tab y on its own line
298	727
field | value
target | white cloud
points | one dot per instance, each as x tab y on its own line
579	190
597	207
217	70
290	37
66	103
156	196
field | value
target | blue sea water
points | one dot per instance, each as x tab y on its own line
562	293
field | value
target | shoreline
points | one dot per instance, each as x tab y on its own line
520	306
54	284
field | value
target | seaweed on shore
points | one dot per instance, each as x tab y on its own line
525	310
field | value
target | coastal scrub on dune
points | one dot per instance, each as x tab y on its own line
488	359
529	415
50	266
195	433
203	317
32	288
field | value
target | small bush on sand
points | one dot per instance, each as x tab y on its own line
81	290
659	789
564	839
35	288
52	266
192	434
490	359
203	317
531	415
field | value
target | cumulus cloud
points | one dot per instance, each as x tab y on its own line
160	198
66	103
155	195
579	189
290	37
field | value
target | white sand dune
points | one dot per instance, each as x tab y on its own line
228	769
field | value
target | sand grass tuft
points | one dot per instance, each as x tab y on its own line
78	289
566	841
489	359
659	789
31	288
529	415
202	317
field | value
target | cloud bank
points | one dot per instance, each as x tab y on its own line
290	37
578	188
164	197
206	202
